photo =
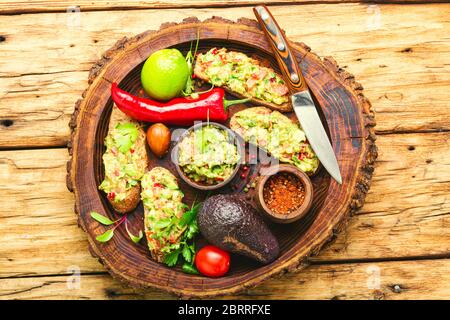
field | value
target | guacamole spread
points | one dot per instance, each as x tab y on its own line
241	74
163	207
125	160
276	133
206	155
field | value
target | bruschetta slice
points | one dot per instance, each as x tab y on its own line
243	77
125	161
163	207
272	131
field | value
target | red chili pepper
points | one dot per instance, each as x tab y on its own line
179	111
111	195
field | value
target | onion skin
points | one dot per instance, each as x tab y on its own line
158	139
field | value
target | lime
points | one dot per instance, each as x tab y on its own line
164	74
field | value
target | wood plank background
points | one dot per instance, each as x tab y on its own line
402	60
39	6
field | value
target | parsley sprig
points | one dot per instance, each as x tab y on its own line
186	246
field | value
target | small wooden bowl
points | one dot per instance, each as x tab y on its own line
203	186
295	215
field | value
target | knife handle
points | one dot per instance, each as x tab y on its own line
283	53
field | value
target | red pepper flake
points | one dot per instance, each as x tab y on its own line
132	150
272	79
214	51
111	195
193	76
158	185
283	193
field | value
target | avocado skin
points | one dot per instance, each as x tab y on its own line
232	224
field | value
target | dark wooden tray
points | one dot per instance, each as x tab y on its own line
346	113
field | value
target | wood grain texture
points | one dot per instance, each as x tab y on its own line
38	224
397	281
38	91
37	221
336	91
38	6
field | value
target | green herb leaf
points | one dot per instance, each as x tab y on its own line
133	237
187	254
125	135
105	237
189	86
101	218
163	223
191	230
190	215
172	258
190	268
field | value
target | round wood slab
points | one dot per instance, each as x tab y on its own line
345	111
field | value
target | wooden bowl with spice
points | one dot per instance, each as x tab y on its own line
284	193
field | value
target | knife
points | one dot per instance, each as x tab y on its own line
302	102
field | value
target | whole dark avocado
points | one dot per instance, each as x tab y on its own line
232	224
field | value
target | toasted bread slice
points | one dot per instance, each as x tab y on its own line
131	201
162	200
122	196
257	125
285	107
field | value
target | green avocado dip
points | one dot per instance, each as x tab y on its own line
241	74
206	155
124	160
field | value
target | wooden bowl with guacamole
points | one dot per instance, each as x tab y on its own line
207	155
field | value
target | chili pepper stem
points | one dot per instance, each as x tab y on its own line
228	103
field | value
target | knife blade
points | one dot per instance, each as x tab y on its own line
308	116
301	99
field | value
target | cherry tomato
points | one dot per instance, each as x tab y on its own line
212	261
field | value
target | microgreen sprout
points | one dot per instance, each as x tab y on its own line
189	88
108	234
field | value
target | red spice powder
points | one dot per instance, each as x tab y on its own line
283	193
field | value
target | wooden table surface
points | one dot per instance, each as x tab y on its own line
396	247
